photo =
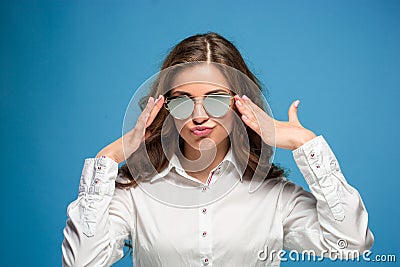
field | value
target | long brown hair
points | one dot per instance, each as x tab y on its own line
208	47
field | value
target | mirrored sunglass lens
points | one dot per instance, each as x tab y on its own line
217	105
180	107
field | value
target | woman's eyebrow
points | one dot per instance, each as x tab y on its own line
208	93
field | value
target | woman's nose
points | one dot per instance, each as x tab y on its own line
199	113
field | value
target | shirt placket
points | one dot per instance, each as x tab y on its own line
215	172
205	227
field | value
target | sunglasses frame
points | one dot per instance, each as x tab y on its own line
193	98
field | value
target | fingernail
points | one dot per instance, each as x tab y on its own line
146	116
148	101
245	117
245	97
296	103
239	103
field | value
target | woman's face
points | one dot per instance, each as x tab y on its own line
200	125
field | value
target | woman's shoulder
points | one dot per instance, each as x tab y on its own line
283	185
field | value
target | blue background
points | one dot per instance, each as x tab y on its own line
69	69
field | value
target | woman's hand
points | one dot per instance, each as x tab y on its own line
136	136
286	134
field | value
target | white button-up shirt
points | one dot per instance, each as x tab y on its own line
238	229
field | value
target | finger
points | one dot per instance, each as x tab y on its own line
248	116
140	127
252	124
158	104
144	116
135	136
262	123
254	107
149	105
147	109
258	113
292	113
244	108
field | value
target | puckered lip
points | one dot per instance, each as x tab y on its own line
200	128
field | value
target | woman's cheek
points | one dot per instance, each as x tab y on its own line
227	123
179	125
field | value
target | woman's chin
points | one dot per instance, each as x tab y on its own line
204	144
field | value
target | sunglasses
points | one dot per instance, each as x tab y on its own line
182	106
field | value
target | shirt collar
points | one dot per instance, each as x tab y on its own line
229	159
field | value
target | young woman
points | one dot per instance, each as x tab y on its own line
203	137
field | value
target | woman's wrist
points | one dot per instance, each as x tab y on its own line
301	140
102	155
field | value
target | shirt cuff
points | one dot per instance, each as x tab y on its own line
98	176
321	170
315	159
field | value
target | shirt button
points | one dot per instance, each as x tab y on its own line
204	189
204	210
204	234
205	261
99	167
334	166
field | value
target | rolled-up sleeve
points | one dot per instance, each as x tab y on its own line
330	218
100	219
